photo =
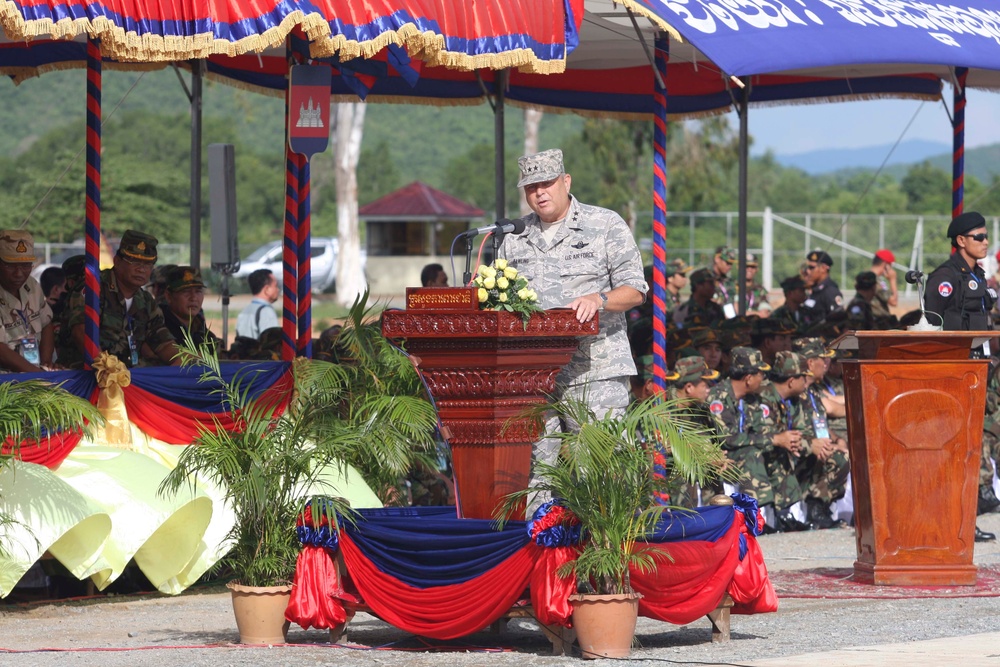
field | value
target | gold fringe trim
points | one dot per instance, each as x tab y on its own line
21	74
130	47
642	10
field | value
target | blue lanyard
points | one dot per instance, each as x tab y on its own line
739	406
982	301
812	399
788	411
829	386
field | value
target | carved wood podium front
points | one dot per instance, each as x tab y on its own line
484	369
915	406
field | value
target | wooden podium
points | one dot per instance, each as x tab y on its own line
915	406
483	369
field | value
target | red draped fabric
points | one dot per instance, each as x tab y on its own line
316	591
442	612
751	588
178	425
549	592
49	452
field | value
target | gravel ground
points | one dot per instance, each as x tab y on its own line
198	629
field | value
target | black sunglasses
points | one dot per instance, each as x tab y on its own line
977	237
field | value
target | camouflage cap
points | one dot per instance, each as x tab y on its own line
772	326
752	260
702	276
138	246
540	167
792	283
16	246
678	338
746	360
692	369
75	266
703	336
865	280
812	347
727	254
648	363
181	277
676	266
820	257
159	274
789	365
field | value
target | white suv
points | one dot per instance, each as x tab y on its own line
323	262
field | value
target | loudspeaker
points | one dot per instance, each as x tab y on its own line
222	204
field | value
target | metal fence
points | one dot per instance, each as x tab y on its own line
782	240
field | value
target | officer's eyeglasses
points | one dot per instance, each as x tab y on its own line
810	267
977	237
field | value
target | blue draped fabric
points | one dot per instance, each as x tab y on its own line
429	546
79	383
181	386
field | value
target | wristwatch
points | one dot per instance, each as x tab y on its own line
604	300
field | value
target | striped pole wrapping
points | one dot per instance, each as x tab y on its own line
290	257
92	281
958	145
305	261
660	215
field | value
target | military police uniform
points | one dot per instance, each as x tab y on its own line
825	297
958	293
123	330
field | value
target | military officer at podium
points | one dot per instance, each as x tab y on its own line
957	293
585	258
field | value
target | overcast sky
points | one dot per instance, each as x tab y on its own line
801	128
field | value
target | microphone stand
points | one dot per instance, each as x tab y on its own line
923	324
467	276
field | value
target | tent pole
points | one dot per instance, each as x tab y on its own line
92	279
499	122
958	144
741	271
196	106
662	55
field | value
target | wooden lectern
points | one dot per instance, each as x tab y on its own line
483	369
915	406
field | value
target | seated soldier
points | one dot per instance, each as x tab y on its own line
700	305
771	335
26	332
822	387
131	326
706	341
817	471
859	310
792	309
748	436
184	295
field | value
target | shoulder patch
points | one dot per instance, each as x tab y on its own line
715	407
839	299
973	285
945	289
765	409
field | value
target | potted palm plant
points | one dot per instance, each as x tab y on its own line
275	461
604	477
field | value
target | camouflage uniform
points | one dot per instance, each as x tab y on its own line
757	298
144	318
745	427
991	431
823	480
781	464
726	289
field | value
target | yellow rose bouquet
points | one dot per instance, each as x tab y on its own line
501	287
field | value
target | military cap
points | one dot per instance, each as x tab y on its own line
811	347
701	276
692	369
138	246
676	266
965	223
792	283
75	266
540	167
182	277
746	360
678	338
159	274
647	363
865	280
703	336
886	255
16	246
820	257
789	365
752	260
727	255
772	326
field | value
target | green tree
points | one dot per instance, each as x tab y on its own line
377	173
927	189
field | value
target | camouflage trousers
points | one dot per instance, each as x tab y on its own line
991	453
605	397
825	480
768	476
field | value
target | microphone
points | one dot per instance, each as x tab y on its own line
914	277
500	227
917	278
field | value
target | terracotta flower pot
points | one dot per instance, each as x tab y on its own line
260	613
605	624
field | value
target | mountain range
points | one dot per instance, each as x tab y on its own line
983	162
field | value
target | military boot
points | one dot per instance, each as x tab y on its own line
988	501
818	514
787	523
